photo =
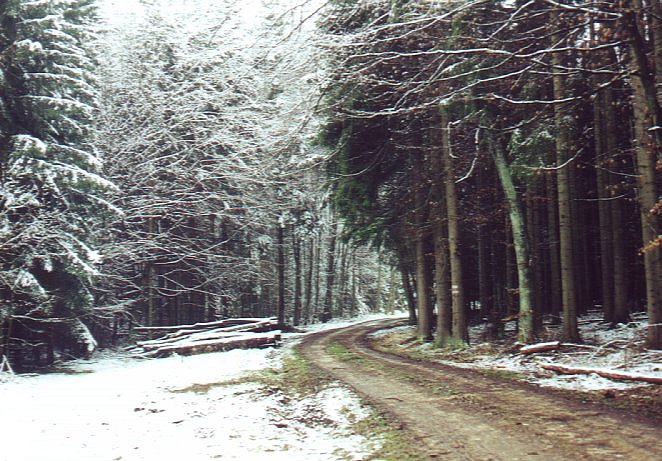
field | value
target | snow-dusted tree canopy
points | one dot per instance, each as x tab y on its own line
161	167
52	191
167	162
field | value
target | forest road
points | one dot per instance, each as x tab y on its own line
459	414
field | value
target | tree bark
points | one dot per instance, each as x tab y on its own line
407	286
280	270
459	330
150	278
343	280
647	143
604	206
526	328
535	223
484	271
438	221
379	304
327	311
554	268
423	284
296	254
646	164
393	290
620	309
561	116
310	266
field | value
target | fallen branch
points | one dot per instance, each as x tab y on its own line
611	374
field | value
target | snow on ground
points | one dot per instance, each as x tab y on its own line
195	408
343	322
618	348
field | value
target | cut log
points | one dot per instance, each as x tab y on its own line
202	325
209	337
611	374
540	347
153	345
264	324
550	346
204	335
242	341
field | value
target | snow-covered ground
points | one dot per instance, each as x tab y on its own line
619	348
192	408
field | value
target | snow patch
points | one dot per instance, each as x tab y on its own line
115	407
618	348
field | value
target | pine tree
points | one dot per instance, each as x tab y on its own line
51	190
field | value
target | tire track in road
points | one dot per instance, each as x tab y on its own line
460	414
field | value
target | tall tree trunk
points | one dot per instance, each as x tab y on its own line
379	305
423	282
563	178
296	254
440	238
393	290
526	328
648	200
341	280
310	267
554	268
317	285
484	271
327	311
604	206
459	330
656	27
647	144
535	223
280	270
407	285
151	279
620	309
354	302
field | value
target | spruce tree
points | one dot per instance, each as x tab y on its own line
50	191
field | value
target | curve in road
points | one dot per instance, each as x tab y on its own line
464	415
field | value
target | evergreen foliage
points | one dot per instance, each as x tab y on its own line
51	194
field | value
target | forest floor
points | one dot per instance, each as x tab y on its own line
247	405
454	413
272	403
604	347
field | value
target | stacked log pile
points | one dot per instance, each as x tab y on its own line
199	338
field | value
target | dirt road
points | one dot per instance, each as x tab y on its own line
462	415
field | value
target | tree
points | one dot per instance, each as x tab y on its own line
52	193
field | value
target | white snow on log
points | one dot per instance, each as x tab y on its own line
209	337
539	347
224	322
239	340
605	373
